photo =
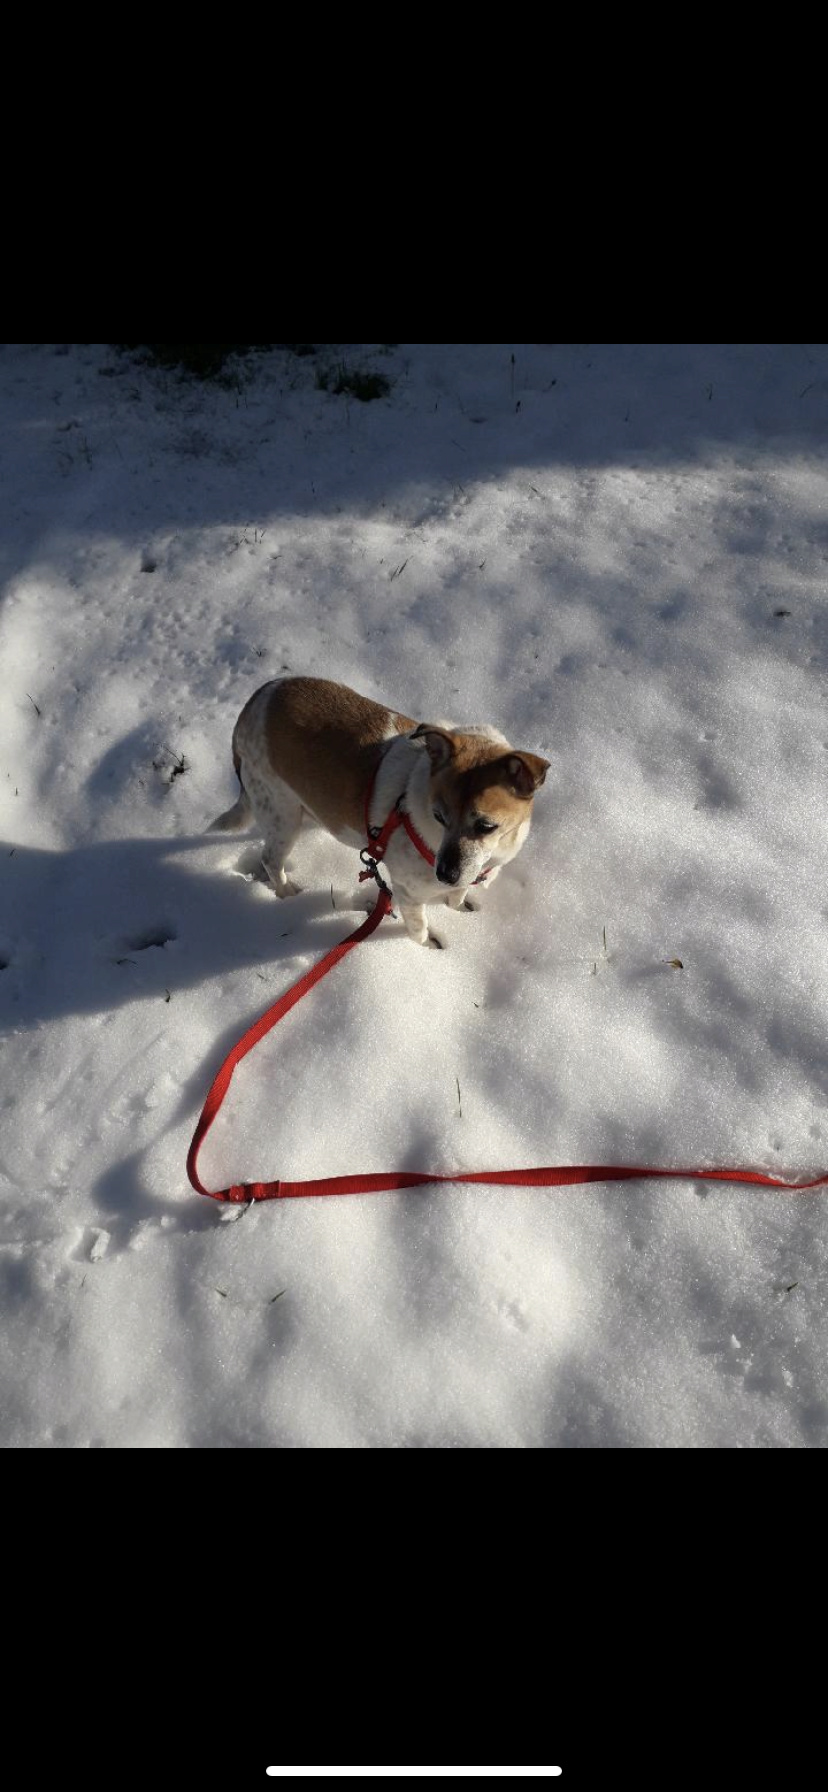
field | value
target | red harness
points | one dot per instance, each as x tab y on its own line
554	1176
379	838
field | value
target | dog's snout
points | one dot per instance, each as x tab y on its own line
447	872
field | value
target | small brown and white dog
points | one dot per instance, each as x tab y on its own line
305	747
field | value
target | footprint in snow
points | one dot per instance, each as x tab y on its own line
91	1245
150	936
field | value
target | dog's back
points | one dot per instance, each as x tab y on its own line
323	740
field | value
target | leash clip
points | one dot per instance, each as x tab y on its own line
372	870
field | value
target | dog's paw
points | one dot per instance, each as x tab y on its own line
432	940
458	902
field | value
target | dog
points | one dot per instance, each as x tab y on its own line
309	748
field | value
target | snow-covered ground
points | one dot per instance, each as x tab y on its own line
619	556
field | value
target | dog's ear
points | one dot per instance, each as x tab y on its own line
525	772
438	744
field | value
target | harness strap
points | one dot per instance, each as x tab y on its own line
424	851
380	836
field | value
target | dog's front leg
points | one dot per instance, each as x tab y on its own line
414	921
457	899
462	899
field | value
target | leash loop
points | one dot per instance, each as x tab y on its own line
546	1176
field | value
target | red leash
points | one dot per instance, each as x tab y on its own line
556	1176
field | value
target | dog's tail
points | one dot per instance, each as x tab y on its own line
233	819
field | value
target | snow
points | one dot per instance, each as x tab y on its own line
618	556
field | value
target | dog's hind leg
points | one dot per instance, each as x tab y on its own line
280	817
275	852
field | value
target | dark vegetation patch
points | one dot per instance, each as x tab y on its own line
357	382
171	765
208	361
203	359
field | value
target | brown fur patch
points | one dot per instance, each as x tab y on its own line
326	742
480	776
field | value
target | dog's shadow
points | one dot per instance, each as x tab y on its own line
86	930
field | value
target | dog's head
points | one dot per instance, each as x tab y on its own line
481	793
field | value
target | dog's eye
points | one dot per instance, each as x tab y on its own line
440	818
485	827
